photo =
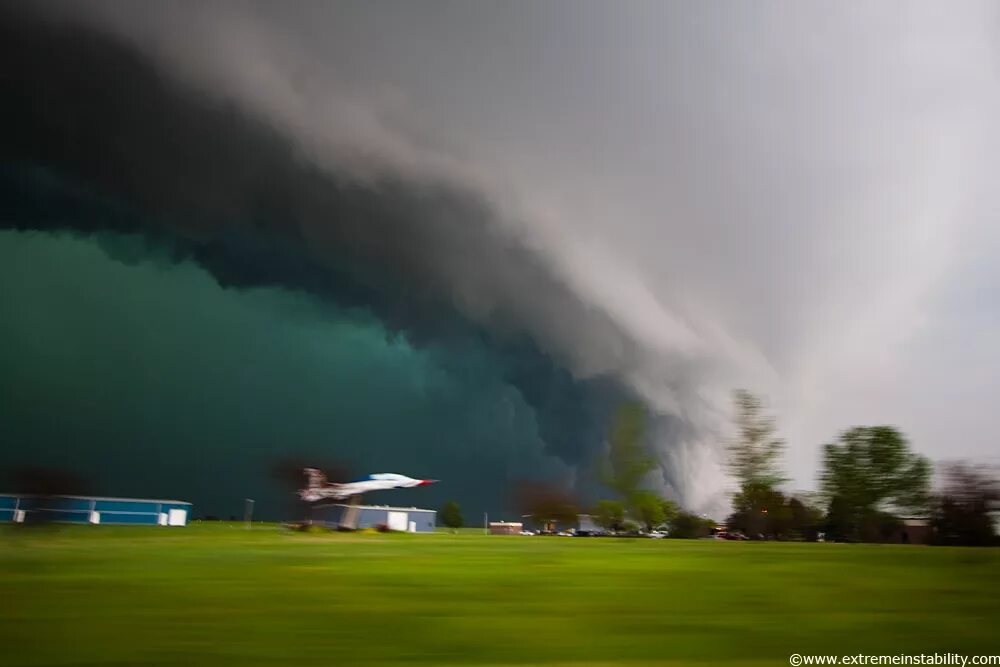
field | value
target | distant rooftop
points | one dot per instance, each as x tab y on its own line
62	495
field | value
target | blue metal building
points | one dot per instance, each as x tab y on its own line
91	509
404	519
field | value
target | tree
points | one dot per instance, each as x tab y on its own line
805	521
759	510
690	526
962	515
670	512
773	515
610	515
451	515
628	462
868	475
649	509
754	453
547	506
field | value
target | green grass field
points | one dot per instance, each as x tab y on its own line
222	595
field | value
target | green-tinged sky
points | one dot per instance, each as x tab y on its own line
149	379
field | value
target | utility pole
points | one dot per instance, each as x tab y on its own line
248	511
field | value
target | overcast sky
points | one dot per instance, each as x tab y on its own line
680	197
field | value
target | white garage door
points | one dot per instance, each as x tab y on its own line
177	517
397	521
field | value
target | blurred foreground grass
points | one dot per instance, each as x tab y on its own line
222	595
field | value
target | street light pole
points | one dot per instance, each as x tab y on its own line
248	511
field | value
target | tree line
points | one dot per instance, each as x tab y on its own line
871	484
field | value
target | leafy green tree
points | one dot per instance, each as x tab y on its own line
759	509
648	509
690	526
805	521
754	453
451	515
670	512
628	462
866	476
773	515
760	512
610	515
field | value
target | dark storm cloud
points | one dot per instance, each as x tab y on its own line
96	138
661	200
145	378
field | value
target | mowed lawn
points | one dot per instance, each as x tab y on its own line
222	595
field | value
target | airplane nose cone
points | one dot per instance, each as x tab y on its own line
425	482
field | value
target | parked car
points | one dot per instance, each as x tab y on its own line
722	535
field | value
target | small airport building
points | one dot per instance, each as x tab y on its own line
506	527
402	519
17	508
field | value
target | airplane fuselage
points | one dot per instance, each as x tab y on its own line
376	482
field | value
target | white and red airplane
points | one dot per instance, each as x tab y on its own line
318	488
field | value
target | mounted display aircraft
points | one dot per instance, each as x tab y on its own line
318	488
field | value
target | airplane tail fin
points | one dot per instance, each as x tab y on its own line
315	478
